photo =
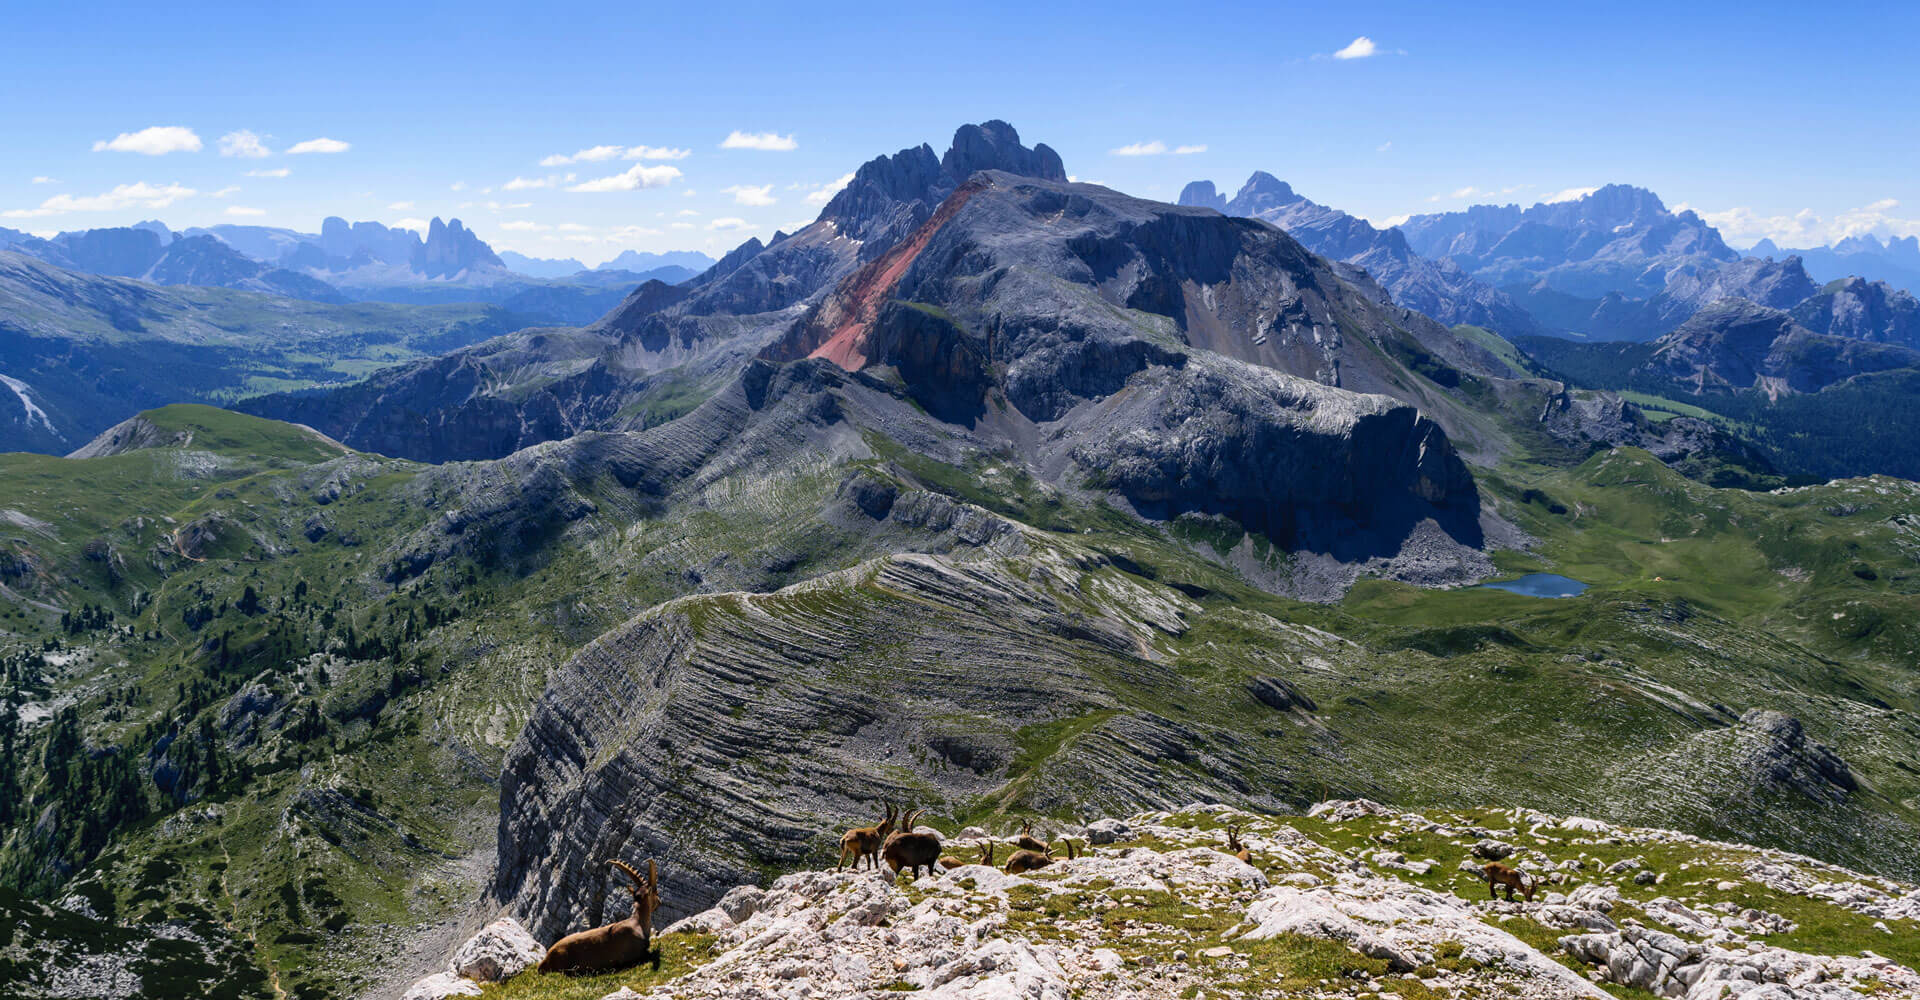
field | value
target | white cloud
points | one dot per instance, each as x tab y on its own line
244	144
1189	150
728	223
1805	228
592	154
410	224
759	140
45	180
599	154
1359	48
1570	194
633	179
244	211
687	213
275	172
225	191
1154	148
1383	147
123	196
573	227
523	226
529	183
156	141
825	192
1468	192
400	206
679	225
655	153
457	186
320	145
747	194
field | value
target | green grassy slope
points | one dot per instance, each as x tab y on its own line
299	743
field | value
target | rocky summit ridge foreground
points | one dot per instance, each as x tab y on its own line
1354	899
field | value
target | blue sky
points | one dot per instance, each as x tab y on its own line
1772	119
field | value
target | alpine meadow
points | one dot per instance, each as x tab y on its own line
640	502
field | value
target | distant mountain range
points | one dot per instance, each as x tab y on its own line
81	351
356	261
1439	288
1896	261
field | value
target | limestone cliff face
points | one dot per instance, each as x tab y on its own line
731	733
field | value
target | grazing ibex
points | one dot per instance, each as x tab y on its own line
1024	861
1234	846
1028	842
864	842
910	850
616	945
950	862
1499	875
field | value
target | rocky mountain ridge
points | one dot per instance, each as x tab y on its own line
1351	899
1439	289
1618	238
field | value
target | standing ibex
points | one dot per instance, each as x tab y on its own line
950	862
910	850
1234	846
616	945
864	842
1028	842
1499	875
1023	861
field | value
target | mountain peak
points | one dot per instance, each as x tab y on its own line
1263	192
450	249
890	195
1202	194
995	145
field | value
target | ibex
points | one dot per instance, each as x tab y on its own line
616	945
910	850
1234	846
864	842
1028	842
1498	875
950	862
1024	861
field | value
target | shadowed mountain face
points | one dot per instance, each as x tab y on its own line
1440	289
1862	310
1735	344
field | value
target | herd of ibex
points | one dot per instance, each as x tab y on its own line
630	941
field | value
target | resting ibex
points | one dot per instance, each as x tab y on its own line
864	842
616	945
1024	861
1499	875
1028	842
950	862
1234	846
910	850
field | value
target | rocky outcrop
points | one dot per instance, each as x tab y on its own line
503	949
450	250
1736	344
1337	910
1862	310
645	745
1780	754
